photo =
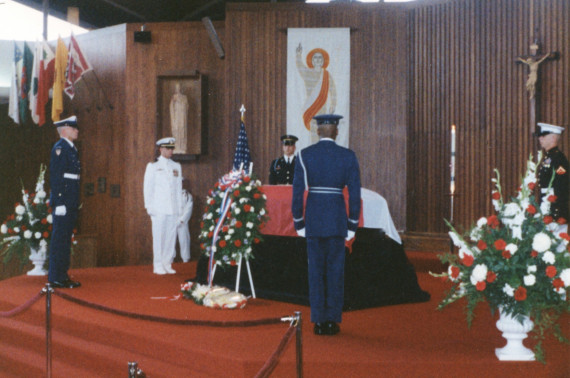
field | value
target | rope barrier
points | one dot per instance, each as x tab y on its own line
272	362
209	323
22	307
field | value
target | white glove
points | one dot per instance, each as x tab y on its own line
60	210
301	232
350	235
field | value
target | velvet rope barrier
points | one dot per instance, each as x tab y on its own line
270	364
209	323
22	307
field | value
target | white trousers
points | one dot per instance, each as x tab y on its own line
163	240
184	241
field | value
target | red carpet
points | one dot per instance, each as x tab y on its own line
412	340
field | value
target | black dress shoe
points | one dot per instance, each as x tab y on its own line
320	329
67	284
332	328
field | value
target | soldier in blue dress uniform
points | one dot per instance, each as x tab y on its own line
282	169
64	170
325	169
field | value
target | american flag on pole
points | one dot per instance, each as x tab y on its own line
242	155
77	65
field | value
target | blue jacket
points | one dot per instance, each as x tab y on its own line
325	169
64	190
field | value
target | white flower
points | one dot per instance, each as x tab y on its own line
507	289
248	188
211	228
545	207
249	225
511	209
4	229
479	273
262	212
43	243
49	218
548	257
517	232
41	194
16	229
512	248
464	251
529	280
541	242
455	239
231	231
476	233
565	277
227	237
481	222
36	200
248	250
38	235
237	210
27	234
242	200
531	269
252	209
20	209
248	234
209	216
449	274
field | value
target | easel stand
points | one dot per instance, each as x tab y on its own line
238	276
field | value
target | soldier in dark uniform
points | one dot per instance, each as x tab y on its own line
282	169
324	169
554	166
64	169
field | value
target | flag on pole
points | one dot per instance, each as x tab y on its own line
25	78
33	94
59	80
45	80
77	66
242	155
13	108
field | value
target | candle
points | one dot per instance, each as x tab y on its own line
452	166
250	167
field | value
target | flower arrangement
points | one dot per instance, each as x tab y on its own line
29	228
214	297
235	213
516	260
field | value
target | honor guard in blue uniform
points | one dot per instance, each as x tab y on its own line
64	170
554	166
282	169
324	170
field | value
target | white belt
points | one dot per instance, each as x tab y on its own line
72	176
325	190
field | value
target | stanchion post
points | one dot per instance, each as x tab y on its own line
48	290
299	343
133	368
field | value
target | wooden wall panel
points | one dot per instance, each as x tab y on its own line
463	72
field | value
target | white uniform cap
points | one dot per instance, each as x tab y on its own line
166	142
546	128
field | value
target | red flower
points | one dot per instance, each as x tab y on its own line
506	254
46	234
222	243
531	185
246	179
211	201
225	229
256	195
246	207
454	272
548	219
202	224
533	253
496	195
520	294
210	234
202	246
236	193
481	285
558	283
467	260
565	236
24	228
481	245
493	221
561	220
261	225
256	240
233	263
491	276
500	244
551	271
531	209
237	243
44	221
552	198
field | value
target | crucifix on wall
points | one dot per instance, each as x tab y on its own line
533	62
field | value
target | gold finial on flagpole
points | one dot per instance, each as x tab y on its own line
242	110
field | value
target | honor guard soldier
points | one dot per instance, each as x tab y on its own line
64	170
162	200
554	166
282	169
325	169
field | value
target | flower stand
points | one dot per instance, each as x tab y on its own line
515	333
38	258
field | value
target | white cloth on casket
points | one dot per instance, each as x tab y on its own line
377	215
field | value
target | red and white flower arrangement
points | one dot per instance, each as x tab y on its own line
516	260
214	297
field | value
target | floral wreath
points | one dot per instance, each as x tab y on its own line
235	213
214	297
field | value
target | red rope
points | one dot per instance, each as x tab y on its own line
22	307
272	362
209	323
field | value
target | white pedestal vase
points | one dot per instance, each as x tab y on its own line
515	333
38	258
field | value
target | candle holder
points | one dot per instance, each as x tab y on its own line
451	221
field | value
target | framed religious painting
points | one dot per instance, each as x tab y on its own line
180	114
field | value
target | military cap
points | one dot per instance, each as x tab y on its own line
327	119
167	142
289	140
545	129
71	122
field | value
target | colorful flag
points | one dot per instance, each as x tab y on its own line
33	93
25	82
242	155
77	65
59	80
13	108
45	81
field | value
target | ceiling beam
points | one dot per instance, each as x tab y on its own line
197	11
125	9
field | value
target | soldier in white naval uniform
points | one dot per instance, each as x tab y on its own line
186	206
162	200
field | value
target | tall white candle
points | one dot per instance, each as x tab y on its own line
452	167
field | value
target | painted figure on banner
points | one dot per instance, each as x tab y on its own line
179	119
319	86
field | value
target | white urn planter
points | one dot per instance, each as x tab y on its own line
38	258
514	332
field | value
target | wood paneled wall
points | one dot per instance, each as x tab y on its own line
463	72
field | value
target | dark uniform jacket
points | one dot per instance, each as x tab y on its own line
64	171
555	163
281	172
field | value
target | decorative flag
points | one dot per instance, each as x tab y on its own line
33	94
242	155
13	109
59	80
25	82
77	65
45	81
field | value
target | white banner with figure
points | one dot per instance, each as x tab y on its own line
318	81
